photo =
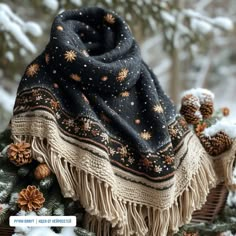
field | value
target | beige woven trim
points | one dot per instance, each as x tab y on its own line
111	201
224	165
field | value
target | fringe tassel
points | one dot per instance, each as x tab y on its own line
107	214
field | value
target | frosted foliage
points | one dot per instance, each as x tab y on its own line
51	4
43	211
32	28
14	197
59	211
168	17
200	26
10	23
4	206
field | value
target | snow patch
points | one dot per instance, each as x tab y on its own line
43	231
76	2
199	92
51	4
7	100
17	28
33	28
200	26
224	23
10	56
222	125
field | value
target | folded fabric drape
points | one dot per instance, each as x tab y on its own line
97	115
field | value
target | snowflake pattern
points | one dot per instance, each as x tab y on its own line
123	151
158	169
158	108
32	70
124	94
109	18
70	56
105	138
122	75
145	135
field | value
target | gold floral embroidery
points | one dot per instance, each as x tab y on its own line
123	151
122	75
169	160
104	78
145	135
54	104
109	18
146	163
158	108
32	70
124	94
70	56
59	28
75	77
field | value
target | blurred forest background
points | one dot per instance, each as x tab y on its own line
188	43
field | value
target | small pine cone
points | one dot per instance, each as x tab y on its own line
190	117
190	103
207	110
207	105
30	199
42	171
19	153
216	144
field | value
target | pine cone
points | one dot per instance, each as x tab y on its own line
19	153
190	116
30	199
207	106
207	110
216	144
42	171
190	103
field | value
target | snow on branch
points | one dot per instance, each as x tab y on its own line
11	24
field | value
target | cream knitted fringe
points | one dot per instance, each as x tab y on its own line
109	214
